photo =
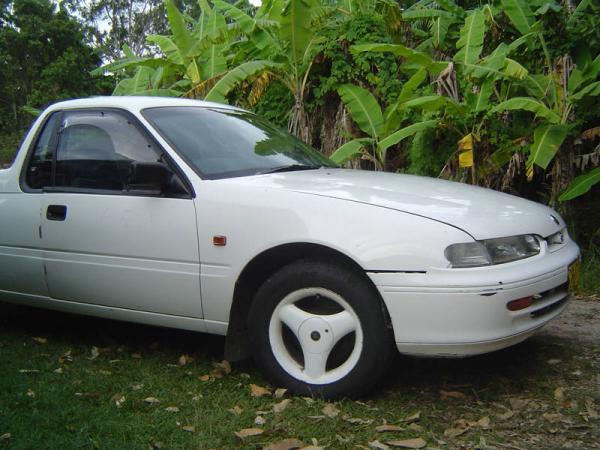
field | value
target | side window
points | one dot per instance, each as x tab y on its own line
39	171
96	148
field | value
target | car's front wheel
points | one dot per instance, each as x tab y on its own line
319	328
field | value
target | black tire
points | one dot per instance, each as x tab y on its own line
359	371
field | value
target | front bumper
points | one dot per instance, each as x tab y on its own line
462	312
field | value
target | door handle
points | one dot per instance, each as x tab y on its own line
56	212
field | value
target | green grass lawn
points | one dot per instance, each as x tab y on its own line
75	382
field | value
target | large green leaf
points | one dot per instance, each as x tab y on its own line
439	30
528	104
350	150
547	139
411	84
426	13
581	185
245	22
235	76
421	58
434	103
452	7
168	47
470	43
296	28
181	35
520	14
403	133
139	83
591	90
482	100
364	109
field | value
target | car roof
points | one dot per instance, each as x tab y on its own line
134	103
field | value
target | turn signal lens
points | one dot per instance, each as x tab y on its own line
520	303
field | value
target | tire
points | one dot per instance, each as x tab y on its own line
319	328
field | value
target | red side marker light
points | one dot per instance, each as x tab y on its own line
520	303
219	241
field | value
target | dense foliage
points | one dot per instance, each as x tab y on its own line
499	93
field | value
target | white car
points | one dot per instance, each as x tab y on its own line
204	217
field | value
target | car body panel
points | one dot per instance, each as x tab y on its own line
123	251
152	260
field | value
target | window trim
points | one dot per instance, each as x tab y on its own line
170	163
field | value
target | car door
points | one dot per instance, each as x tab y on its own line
108	245
21	260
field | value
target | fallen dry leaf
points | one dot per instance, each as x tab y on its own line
172	409
40	340
118	399
388	428
517	403
151	400
559	394
280	407
204	377
223	367
445	395
378	445
505	415
28	371
415	427
136	355
280	392
236	410
137	387
357	420
30	393
484	422
248	432
553	361
330	411
94	353
258	391
415	417
408	443
59	370
285	444
5	437
66	357
189	428
552	418
260	420
312	447
184	359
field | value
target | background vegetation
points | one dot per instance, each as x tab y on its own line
501	94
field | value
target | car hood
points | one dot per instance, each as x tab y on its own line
482	213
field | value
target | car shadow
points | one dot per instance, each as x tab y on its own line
511	371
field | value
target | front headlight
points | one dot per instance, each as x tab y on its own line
492	251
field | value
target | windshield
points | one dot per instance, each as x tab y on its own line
221	143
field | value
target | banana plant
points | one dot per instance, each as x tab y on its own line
194	57
284	40
381	128
552	96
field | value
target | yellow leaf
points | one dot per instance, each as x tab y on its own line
236	410
530	173
465	159
151	400
466	143
189	428
40	340
280	392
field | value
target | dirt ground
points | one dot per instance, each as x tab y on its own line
579	322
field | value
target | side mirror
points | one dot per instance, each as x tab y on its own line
148	177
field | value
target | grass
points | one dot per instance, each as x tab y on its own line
590	271
541	393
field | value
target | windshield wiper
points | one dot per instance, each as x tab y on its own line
290	168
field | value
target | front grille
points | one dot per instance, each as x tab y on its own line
551	300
